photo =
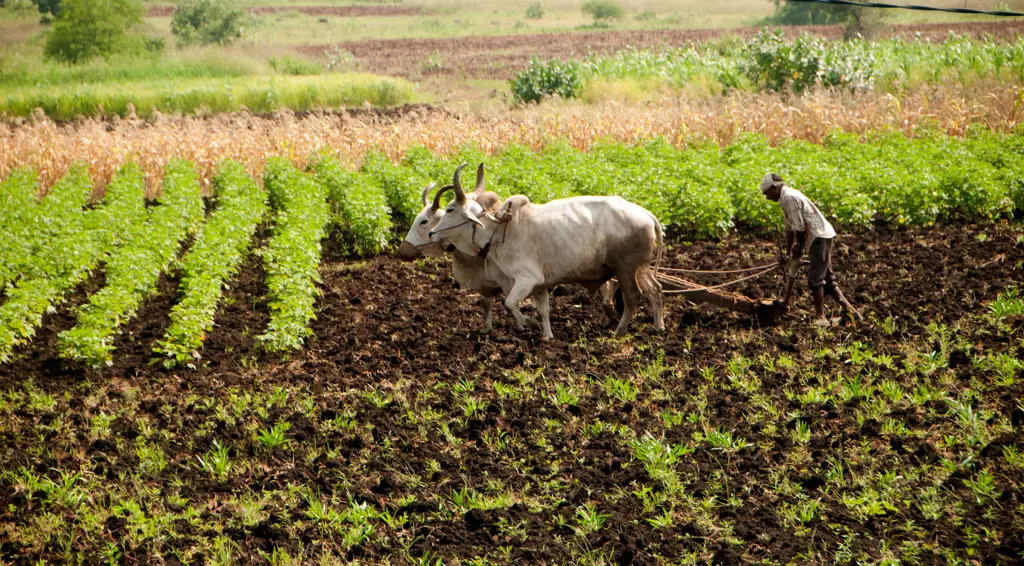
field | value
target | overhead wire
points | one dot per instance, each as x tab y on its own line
998	13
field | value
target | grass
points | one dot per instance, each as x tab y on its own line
206	96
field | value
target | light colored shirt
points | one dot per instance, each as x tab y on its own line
800	215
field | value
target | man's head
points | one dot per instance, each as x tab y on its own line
771	186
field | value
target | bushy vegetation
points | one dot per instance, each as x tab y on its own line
767	61
134	269
542	79
602	10
705	190
262	94
79	239
207	21
292	256
219	249
86	29
360	209
535	11
290	65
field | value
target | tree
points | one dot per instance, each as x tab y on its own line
49	8
207	21
854	18
85	29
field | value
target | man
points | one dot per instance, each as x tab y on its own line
805	222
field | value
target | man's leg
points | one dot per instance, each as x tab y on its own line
816	273
832	288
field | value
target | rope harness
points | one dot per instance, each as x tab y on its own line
480	251
761	270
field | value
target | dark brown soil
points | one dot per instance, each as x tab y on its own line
403	331
501	57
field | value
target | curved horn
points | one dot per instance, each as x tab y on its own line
426	193
460	195
437	197
479	190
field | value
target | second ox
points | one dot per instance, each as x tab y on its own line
585	240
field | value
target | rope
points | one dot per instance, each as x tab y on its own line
767	269
907	7
720	272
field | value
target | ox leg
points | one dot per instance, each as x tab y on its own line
488	304
542	299
652	290
518	293
630	299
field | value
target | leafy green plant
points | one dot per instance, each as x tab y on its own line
207	21
602	10
535	11
133	270
291	65
85	29
541	80
292	256
360	209
588	520
214	258
275	436
83	236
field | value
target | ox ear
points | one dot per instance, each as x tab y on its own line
460	195
426	193
480	183
437	197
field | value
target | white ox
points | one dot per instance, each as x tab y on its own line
468	269
585	240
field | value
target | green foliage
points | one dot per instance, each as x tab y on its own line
402	186
50	7
219	249
535	11
360	209
266	94
810	14
292	256
74	250
602	9
542	79
290	65
207	21
29	227
133	269
85	29
775	63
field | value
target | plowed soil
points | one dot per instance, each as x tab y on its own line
501	57
378	413
341	11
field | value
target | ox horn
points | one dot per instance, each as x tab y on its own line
437	197
479	190
426	193
460	195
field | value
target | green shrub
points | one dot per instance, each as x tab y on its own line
545	79
85	29
603	9
775	63
207	21
289	65
535	11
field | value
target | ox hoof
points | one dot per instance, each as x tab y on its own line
533	323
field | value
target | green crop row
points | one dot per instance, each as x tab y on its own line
292	256
71	255
133	270
360	209
30	227
704	190
221	245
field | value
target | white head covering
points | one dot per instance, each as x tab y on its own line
768	182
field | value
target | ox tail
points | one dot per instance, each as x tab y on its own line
661	242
